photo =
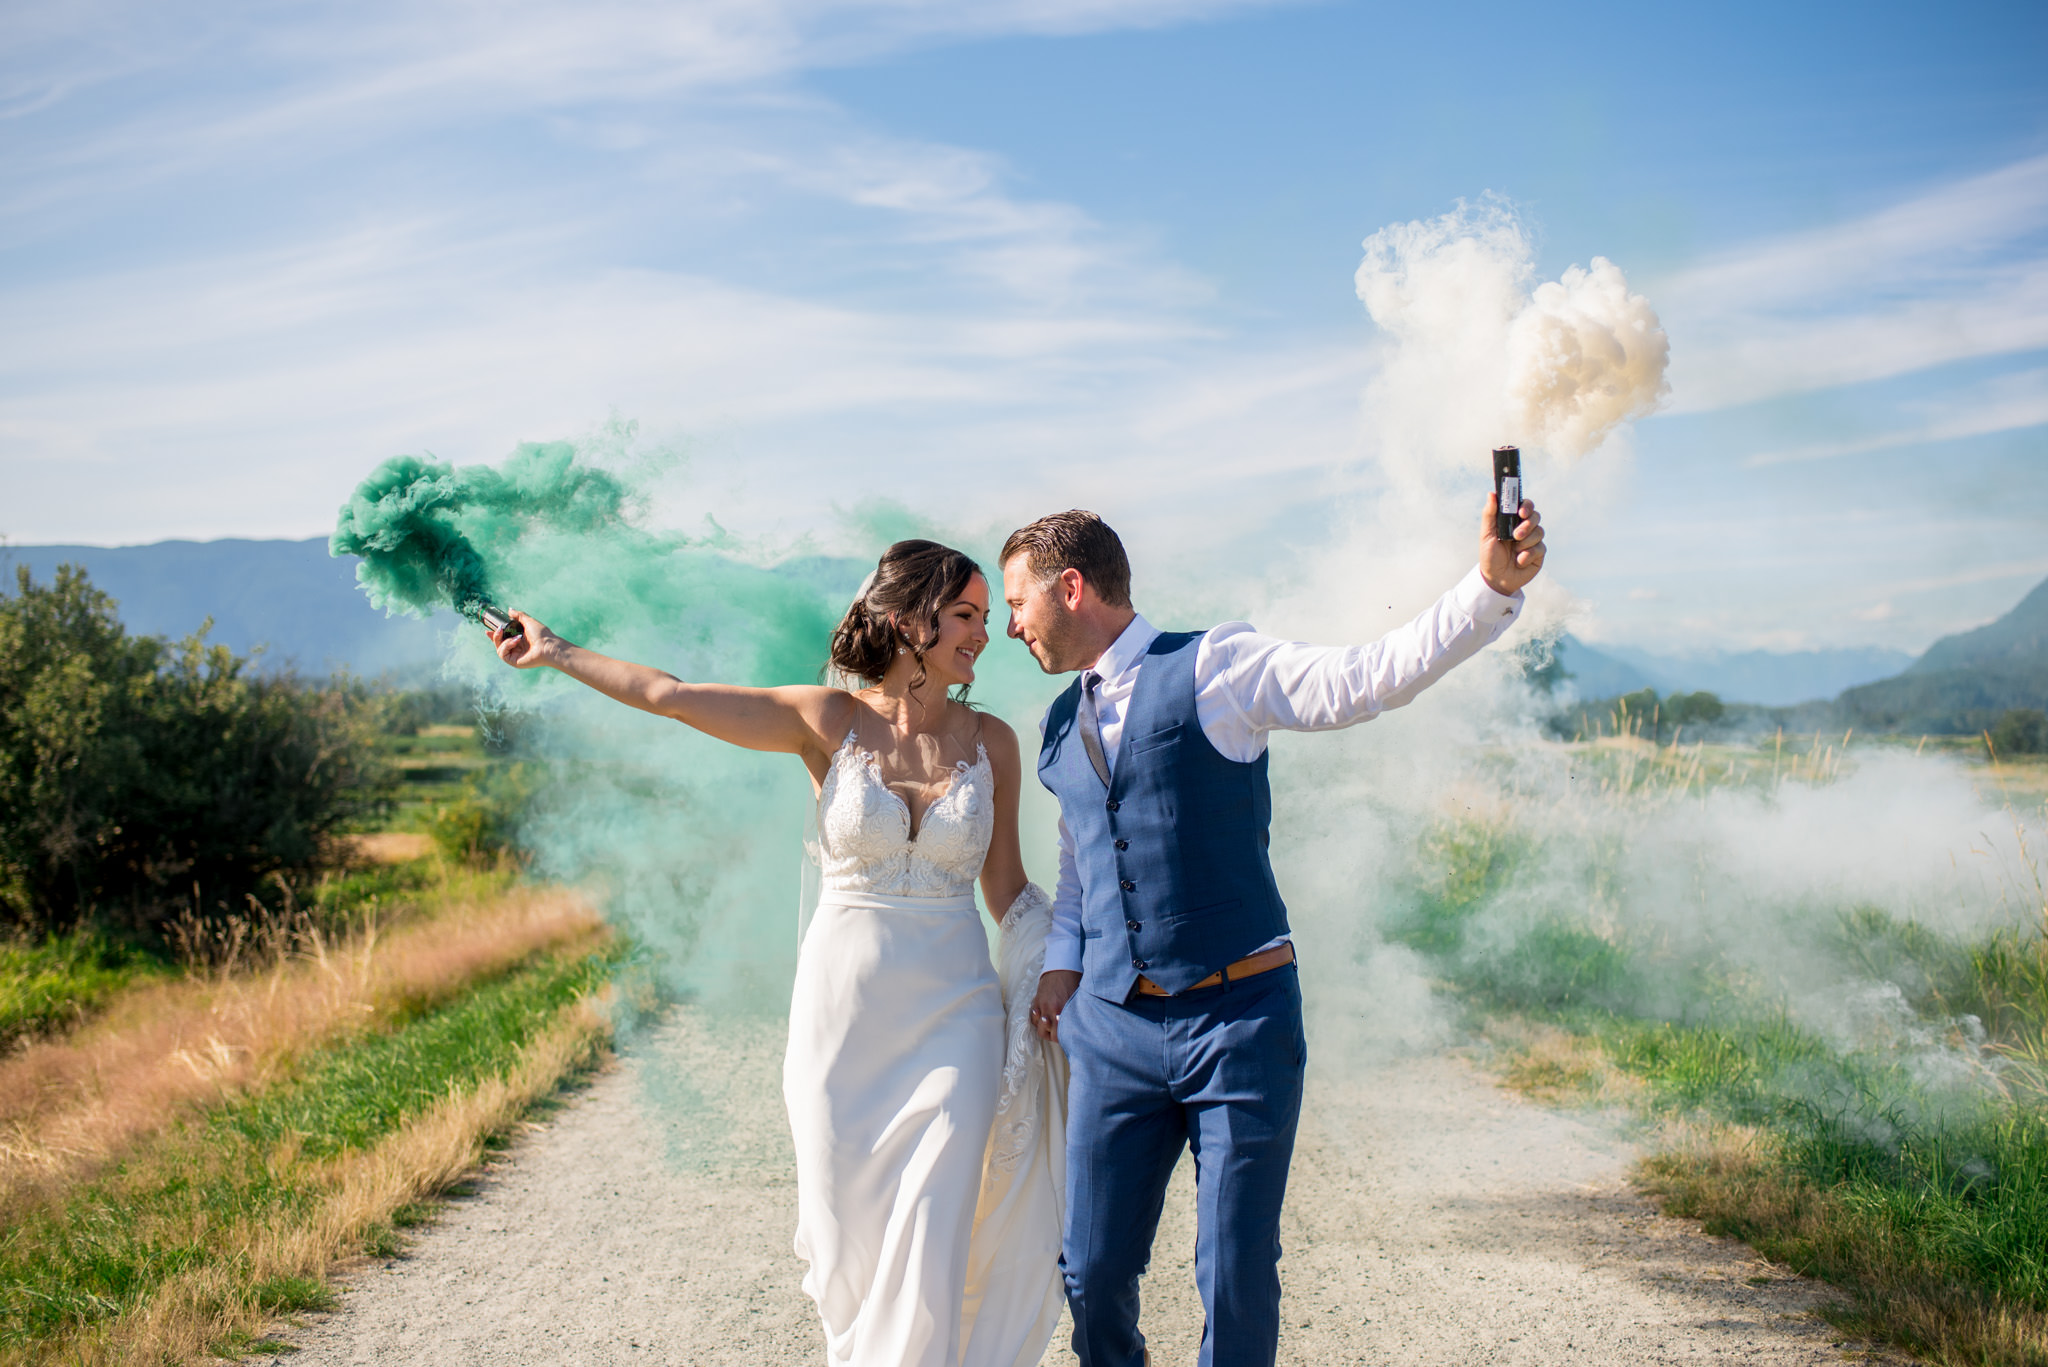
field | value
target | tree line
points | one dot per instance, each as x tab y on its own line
146	782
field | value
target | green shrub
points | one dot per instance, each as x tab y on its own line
142	781
1695	710
2021	731
481	824
403	712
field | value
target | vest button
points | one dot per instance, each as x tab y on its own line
1135	925
1138	964
1123	844
1111	804
1128	886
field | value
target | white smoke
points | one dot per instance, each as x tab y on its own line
1479	354
1584	357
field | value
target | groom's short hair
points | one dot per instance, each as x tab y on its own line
1074	540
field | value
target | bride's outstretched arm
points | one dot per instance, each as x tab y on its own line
788	720
1002	872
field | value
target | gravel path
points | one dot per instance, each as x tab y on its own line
1432	1218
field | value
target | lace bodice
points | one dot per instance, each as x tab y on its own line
864	841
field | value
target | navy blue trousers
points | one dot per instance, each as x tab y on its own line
1218	1070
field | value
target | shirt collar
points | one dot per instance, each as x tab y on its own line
1126	650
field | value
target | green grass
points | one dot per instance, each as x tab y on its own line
388	893
170	1205
1925	1195
49	986
1952	1184
432	765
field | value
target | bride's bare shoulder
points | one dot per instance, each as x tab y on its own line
829	711
997	735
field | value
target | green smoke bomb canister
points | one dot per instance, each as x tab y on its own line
495	620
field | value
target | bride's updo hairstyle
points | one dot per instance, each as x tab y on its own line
899	610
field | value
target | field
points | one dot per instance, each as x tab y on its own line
1852	1077
432	765
1835	1043
190	1143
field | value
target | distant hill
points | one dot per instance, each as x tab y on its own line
1964	682
1595	673
304	606
290	596
2018	638
1769	677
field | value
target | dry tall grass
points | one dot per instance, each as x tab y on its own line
1556	1067
192	1313
1730	1178
68	1106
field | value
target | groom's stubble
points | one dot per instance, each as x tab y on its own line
1059	649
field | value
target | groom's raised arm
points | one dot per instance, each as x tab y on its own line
1257	684
1248	685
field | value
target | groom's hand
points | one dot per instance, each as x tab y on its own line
1054	989
1507	566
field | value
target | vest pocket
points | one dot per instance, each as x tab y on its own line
1199	913
1155	739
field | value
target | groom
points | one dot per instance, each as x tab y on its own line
1189	1029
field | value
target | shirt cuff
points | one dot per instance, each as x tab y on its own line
1481	603
1062	955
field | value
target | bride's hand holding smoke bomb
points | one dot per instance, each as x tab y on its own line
524	643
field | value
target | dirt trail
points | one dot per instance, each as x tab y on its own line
1432	1218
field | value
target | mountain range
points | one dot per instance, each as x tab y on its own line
290	597
1966	681
303	607
1767	677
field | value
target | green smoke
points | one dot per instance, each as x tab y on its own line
434	535
692	846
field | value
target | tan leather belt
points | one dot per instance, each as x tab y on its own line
1250	966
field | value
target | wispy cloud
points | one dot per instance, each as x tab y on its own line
2008	403
840	294
245	393
112	96
1958	273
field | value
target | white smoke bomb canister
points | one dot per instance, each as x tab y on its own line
1507	486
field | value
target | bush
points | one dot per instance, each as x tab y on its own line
2021	731
481	825
1694	709
405	712
142	781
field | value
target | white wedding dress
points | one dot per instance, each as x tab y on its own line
929	1118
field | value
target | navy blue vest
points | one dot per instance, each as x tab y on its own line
1175	881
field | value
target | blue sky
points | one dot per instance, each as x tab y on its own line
988	259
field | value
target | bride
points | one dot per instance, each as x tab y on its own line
928	1116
